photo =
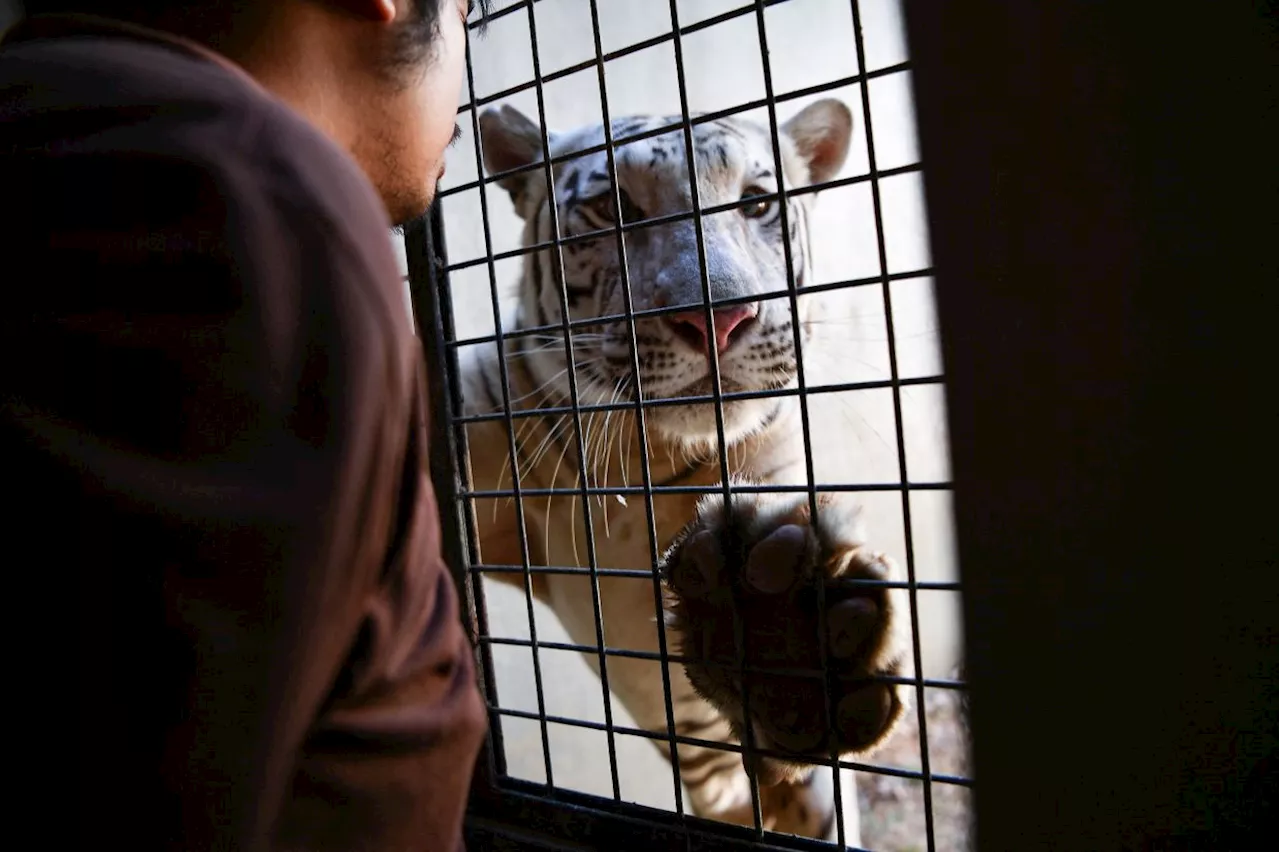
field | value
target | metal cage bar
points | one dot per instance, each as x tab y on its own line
642	433
717	393
675	35
956	780
671	217
505	383
654	312
887	295
444	353
707	118
557	259
677	658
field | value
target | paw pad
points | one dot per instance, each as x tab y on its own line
735	570
776	561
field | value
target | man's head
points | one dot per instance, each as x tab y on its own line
381	77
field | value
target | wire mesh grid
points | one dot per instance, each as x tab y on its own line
485	326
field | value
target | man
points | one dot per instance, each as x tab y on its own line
213	421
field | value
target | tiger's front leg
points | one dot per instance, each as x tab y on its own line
744	584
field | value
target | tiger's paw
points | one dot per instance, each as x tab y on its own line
746	584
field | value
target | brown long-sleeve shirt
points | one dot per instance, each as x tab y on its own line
213	424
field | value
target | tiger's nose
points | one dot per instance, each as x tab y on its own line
728	324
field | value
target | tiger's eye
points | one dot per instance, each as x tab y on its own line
602	206
760	207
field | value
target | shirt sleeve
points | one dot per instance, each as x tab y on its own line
214	405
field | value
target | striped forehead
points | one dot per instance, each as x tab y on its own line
726	151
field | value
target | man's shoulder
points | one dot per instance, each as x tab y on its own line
143	131
108	96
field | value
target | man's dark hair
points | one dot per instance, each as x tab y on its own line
414	38
214	21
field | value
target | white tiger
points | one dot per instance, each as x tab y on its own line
758	565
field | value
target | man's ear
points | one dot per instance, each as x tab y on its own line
380	11
509	141
821	133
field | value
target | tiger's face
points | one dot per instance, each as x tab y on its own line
741	245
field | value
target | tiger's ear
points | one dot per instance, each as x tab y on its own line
821	133
509	141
